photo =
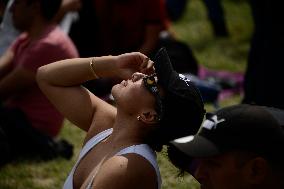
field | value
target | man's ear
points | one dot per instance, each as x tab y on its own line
149	117
257	170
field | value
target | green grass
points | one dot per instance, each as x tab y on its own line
215	53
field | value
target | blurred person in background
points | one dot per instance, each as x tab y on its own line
28	121
8	32
112	27
116	26
263	76
215	13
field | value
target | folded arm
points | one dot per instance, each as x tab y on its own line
13	80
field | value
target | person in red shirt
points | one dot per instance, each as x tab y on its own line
28	121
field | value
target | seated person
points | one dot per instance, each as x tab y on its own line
29	123
119	148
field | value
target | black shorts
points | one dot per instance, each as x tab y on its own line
19	139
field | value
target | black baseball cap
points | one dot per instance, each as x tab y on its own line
183	107
252	128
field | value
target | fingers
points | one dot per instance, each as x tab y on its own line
130	63
145	63
147	66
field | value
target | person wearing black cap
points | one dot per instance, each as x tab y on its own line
121	141
237	147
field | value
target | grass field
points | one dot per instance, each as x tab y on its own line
215	53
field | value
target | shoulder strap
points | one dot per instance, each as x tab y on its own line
94	141
87	147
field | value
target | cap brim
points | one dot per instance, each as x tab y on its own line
163	67
196	146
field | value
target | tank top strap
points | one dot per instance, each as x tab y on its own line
94	141
86	148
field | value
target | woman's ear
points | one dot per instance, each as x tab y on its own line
149	117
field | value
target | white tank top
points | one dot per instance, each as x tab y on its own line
142	149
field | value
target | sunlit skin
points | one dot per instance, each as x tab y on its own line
133	91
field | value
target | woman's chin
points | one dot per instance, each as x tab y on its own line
114	90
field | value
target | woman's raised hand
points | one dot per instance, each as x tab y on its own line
130	63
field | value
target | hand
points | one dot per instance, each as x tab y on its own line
130	63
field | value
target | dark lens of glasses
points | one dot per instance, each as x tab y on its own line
151	85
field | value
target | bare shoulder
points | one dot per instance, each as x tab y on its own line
127	171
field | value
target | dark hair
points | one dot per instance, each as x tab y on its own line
49	8
154	142
155	146
179	159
